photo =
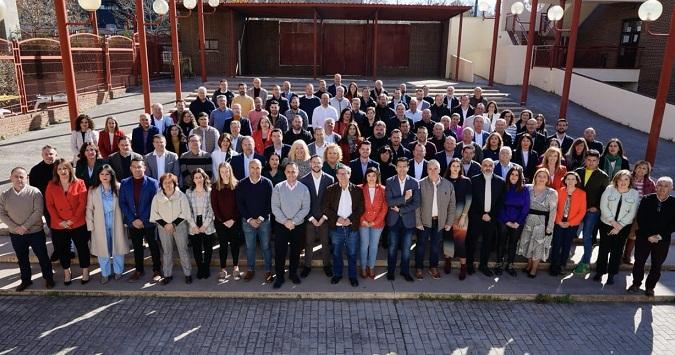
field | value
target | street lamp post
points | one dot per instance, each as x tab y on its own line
483	6
648	12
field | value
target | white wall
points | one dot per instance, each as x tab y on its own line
619	105
610	75
11	20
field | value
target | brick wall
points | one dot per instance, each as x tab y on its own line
652	56
17	124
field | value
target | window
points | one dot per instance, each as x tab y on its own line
211	45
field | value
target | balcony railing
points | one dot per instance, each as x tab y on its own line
607	57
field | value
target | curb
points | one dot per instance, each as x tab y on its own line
353	296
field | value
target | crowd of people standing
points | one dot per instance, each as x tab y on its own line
346	168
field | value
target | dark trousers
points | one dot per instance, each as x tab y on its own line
658	252
561	245
202	249
612	246
37	241
229	238
431	236
61	239
150	236
284	237
507	243
483	230
311	234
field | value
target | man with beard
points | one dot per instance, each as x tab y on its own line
295	110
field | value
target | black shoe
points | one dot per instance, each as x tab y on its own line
470	269
24	285
166	280
391	276
531	276
597	277
487	272
511	271
633	289
354	282
49	284
295	279
328	270
278	281
206	273
408	278
498	271
649	292
610	280
188	279
305	271
335	279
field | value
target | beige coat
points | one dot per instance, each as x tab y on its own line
445	197
96	225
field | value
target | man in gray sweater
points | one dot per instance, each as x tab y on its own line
21	209
290	206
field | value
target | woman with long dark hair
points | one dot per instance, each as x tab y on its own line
350	142
201	224
511	218
463	197
613	159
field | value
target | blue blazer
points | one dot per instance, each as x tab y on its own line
442	159
392	193
129	211
137	140
237	163
357	174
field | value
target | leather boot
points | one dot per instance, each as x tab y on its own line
462	272
447	266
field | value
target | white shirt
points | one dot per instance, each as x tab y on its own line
488	192
401	183
330	138
320	148
419	169
505	169
345	205
317	183
434	202
161	162
414	116
162	123
338	104
371	194
291	187
526	157
478	138
246	161
320	114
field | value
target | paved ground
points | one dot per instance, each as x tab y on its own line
165	325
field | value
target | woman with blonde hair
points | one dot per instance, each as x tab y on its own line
299	154
551	161
109	137
226	219
332	156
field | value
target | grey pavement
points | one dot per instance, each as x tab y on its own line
123	325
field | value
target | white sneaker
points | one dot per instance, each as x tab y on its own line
236	274
222	276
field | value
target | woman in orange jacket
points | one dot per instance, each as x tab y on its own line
66	201
569	215
372	220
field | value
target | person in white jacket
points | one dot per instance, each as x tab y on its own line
170	210
83	133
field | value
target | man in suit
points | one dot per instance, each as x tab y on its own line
435	215
479	135
447	154
463	109
487	190
159	119
450	100
141	136
361	164
161	161
257	91
593	182
538	139
317	147
418	165
277	146
286	91
504	164
276	97
337	82
343	205
136	194
236	135
589	136
121	161
396	145
317	181
243	123
396	99
500	127
402	193
467	140
469	166
561	135
423	140
240	162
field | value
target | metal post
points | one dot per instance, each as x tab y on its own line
233	47
459	45
108	71
173	21
375	39
94	22
569	63
528	55
202	38
495	33
66	60
314	46
143	52
20	83
662	92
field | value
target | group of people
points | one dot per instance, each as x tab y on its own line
340	167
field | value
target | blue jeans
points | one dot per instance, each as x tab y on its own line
561	245
399	233
370	238
590	220
261	233
433	235
117	260
344	237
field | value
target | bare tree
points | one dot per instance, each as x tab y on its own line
38	17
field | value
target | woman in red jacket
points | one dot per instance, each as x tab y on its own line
569	214
372	220
262	135
109	138
66	201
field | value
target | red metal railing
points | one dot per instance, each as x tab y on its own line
610	57
518	29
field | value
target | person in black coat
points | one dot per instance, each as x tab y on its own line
385	158
526	157
482	217
561	135
358	173
538	140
